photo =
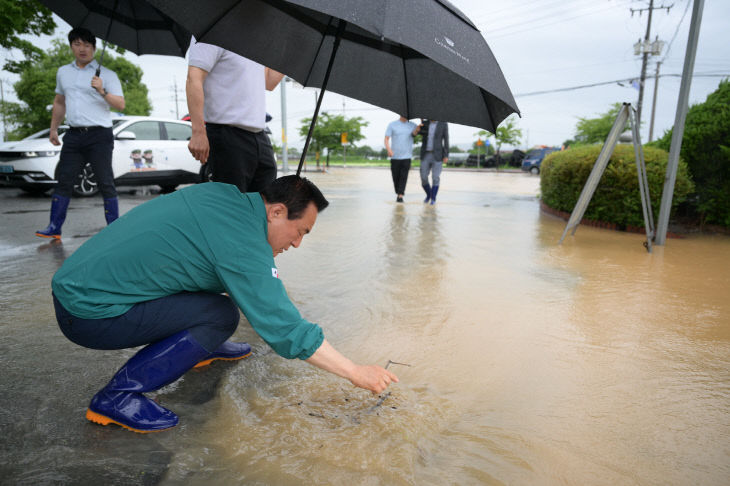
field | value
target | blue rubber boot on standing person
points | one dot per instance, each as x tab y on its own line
111	209
228	351
59	206
121	401
427	188
434	191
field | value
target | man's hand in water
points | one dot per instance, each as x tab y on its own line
372	377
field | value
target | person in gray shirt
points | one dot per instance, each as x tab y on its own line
84	93
226	99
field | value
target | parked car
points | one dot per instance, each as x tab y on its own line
516	157
457	159
482	161
147	151
533	159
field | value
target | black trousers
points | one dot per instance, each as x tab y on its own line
80	147
239	157
399	169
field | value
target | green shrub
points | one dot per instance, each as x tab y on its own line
616	200
706	148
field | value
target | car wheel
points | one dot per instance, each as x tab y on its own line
534	170
167	189
206	175
86	185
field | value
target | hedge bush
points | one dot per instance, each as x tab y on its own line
616	200
706	148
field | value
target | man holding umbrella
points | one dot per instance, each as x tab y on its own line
83	97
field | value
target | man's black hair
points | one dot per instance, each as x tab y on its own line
295	193
80	33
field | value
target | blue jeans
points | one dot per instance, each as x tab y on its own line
210	319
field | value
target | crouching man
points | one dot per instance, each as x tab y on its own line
156	278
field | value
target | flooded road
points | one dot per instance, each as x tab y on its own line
593	362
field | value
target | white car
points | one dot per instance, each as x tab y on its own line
147	151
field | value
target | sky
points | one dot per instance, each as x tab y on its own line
541	46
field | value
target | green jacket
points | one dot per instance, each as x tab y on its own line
204	238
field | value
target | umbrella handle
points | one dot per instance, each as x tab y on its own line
108	30
340	29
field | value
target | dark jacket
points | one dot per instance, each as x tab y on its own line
440	143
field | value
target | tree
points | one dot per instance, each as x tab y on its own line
329	129
595	130
19	17
507	133
706	149
37	84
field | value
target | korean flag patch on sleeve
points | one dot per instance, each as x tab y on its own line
274	272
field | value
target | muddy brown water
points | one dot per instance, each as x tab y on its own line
593	362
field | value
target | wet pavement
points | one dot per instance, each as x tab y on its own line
593	362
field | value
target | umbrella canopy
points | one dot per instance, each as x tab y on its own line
418	58
132	24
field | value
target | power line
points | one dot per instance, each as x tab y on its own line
513	11
669	46
617	81
519	28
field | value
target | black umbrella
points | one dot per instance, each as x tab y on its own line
132	24
418	58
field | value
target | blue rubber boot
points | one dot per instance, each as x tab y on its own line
427	188
121	402
228	351
434	191
59	206
111	209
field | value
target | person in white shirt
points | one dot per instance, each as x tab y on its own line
226	100
84	94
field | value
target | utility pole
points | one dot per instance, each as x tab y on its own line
653	104
678	128
645	49
2	105
284	147
175	98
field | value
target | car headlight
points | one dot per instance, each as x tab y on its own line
41	153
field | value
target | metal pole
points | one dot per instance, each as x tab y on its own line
340	29
284	147
108	30
174	87
643	182
653	104
2	105
678	130
598	168
643	63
